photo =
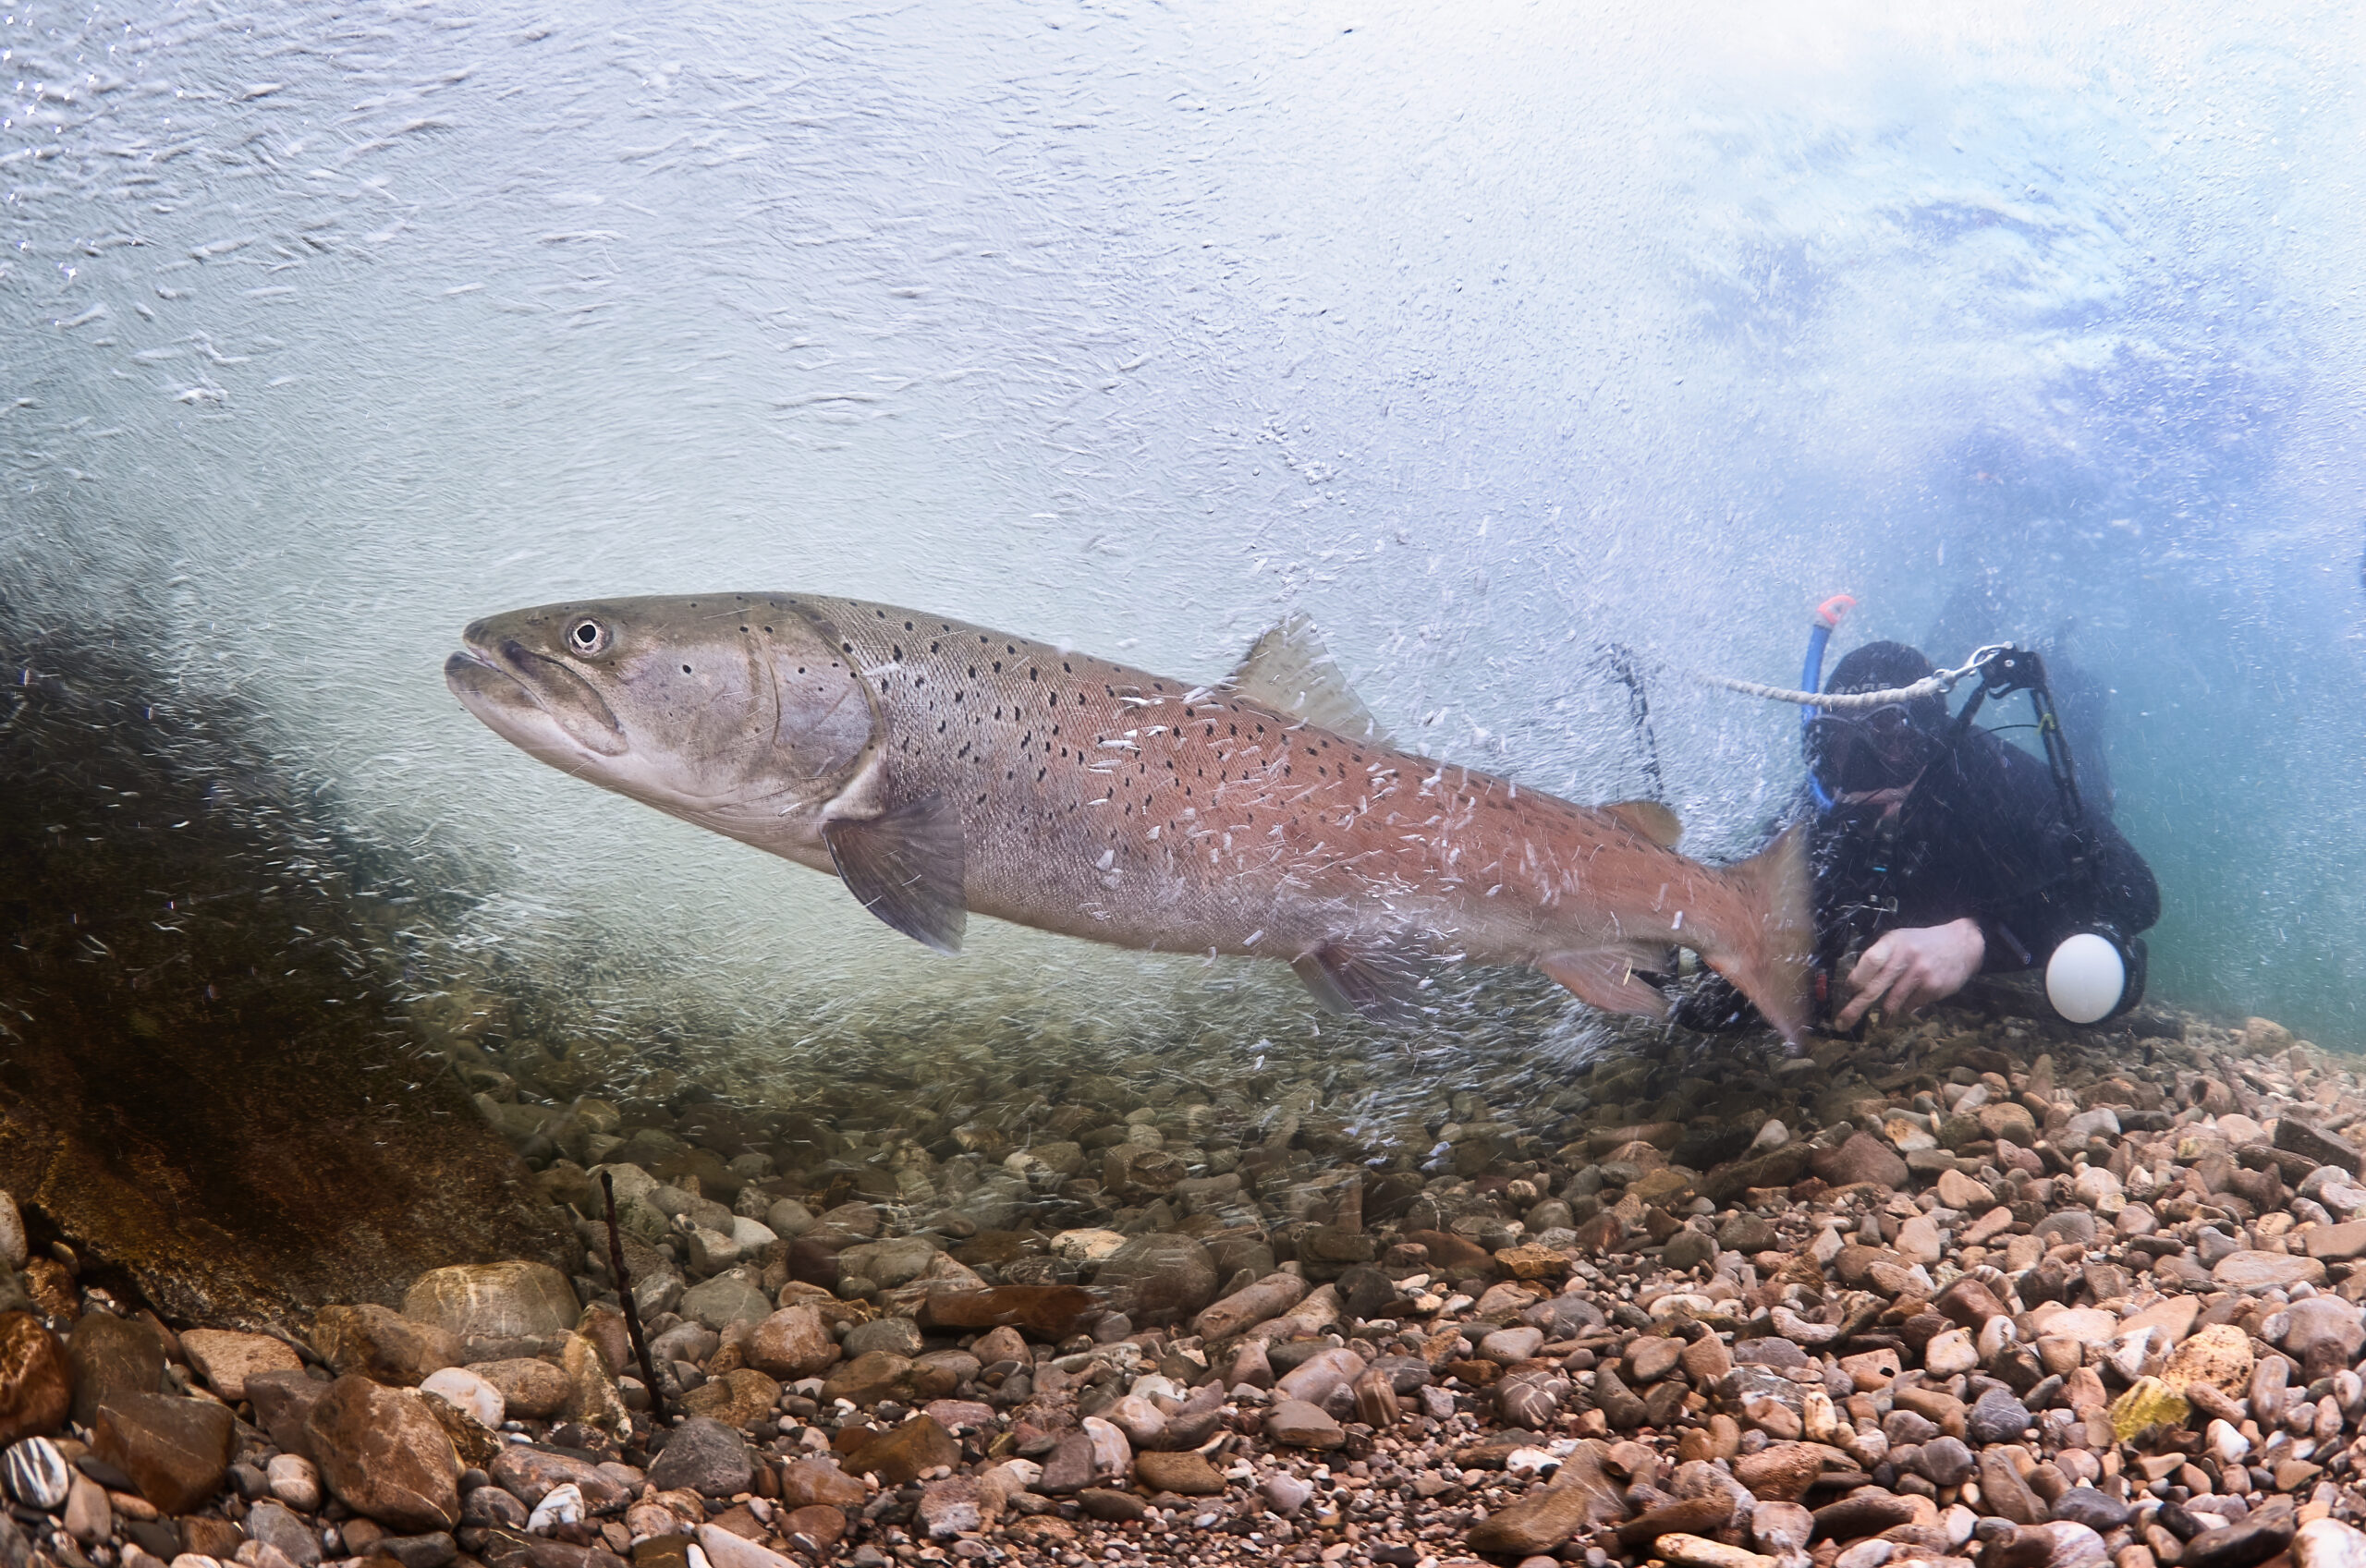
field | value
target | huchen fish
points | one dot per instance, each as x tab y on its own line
938	768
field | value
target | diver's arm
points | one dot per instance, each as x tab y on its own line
1912	967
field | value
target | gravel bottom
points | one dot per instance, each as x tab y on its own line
1973	1289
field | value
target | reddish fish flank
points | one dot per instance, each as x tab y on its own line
939	767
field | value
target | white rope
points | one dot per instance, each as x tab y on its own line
1935	684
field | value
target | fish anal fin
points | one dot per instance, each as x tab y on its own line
1604	977
1650	819
1289	670
905	866
1379	984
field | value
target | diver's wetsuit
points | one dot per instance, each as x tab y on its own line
1980	832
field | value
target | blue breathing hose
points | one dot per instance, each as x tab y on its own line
1811	679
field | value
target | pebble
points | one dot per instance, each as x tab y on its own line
468	1391
35	1473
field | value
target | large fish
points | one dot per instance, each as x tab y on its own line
937	768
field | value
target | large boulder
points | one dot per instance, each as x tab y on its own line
516	1300
232	1108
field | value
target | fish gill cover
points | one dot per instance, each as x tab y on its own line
1490	336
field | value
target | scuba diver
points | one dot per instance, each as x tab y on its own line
1942	852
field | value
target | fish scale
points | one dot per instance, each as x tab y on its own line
941	768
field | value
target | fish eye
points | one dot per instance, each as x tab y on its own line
588	635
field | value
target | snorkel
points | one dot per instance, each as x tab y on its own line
1828	616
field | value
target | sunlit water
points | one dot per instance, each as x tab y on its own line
1491	335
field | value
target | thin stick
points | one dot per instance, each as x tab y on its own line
632	1313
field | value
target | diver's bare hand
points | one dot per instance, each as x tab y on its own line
1913	966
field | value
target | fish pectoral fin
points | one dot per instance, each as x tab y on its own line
1604	977
1650	819
1381	984
1289	669
905	866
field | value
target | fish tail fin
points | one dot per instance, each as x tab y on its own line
1771	942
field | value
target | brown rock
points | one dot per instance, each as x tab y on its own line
739	1398
1579	1498
804	1482
283	1403
791	1344
1158	1280
872	1377
531	1473
904	1454
1687	1516
593	1397
2335	1244
1706	1360
1296	1424
36	1381
2003	1492
1453	1257
1970	1303
2259	1270
2304	1138
382	1345
1868	1511
535	1390
176	1450
518	1299
1050	1311
1781	1472
1185	1474
1266	1299
1529	1261
814	1530
226	1360
1863	1158
2220	1355
113	1356
386	1455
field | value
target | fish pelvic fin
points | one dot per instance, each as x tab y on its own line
1604	977
1289	670
1771	941
905	865
1382	984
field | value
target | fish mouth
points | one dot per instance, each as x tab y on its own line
535	702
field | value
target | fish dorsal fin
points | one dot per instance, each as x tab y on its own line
1650	819
905	866
1289	669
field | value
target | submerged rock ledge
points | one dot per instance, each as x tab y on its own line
1967	1291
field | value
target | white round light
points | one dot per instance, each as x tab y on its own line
2085	977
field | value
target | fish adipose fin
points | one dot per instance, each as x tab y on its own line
1381	985
1650	819
1768	952
1604	977
905	865
1290	670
